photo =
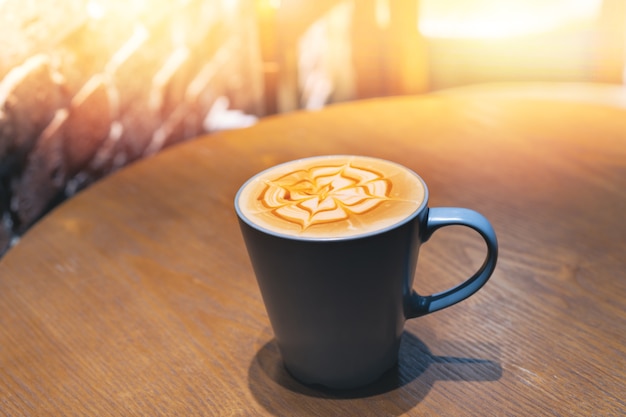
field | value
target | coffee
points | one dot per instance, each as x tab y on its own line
331	197
333	242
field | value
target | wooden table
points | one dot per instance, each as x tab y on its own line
136	297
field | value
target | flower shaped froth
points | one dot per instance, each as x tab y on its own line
325	194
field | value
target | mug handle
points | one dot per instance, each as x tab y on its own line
448	216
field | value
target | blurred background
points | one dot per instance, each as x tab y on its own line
89	86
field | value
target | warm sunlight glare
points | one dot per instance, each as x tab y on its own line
488	19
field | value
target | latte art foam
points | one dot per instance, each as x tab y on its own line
328	197
325	194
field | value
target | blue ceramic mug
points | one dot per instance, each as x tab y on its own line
334	242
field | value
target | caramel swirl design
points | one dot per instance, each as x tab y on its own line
325	194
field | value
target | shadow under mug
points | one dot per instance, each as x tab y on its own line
337	307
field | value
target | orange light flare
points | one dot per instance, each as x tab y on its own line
477	41
489	19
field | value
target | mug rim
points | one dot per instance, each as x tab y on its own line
385	229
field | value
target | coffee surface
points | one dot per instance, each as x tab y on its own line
331	196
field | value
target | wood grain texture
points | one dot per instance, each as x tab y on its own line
136	297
